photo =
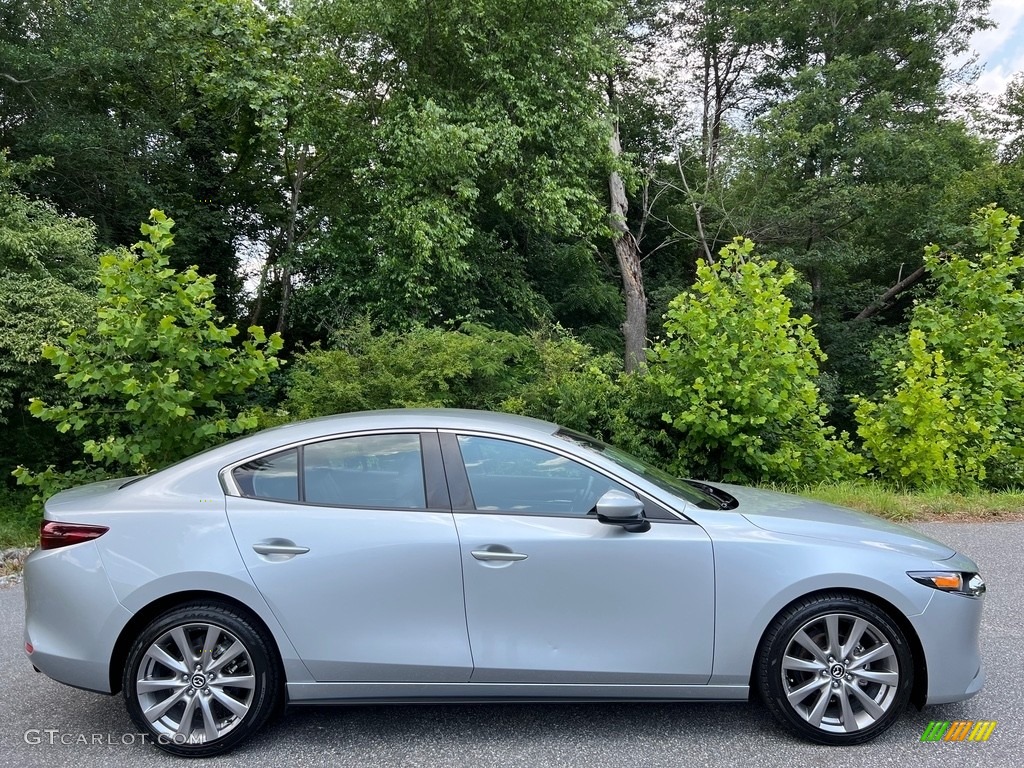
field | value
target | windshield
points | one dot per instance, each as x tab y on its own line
664	480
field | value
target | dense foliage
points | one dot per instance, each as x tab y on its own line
548	374
739	375
955	414
154	380
47	273
485	204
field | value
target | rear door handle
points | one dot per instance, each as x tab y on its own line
486	554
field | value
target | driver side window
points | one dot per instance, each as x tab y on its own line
511	477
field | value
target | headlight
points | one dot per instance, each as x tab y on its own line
970	584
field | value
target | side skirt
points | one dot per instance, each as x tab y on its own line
407	693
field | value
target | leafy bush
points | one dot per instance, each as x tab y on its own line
565	382
738	374
751	413
638	424
474	367
548	374
154	381
47	271
955	415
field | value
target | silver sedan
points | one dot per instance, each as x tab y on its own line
430	555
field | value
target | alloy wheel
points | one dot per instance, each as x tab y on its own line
195	683
840	673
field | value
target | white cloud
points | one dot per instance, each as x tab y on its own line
1001	49
1006	14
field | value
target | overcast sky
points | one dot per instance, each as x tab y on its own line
1001	50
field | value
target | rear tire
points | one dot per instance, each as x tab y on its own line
835	669
200	679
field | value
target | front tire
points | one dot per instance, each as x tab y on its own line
835	669
200	679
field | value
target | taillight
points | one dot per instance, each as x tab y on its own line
53	535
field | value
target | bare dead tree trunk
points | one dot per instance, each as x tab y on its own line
627	252
816	294
298	176
907	282
286	295
261	288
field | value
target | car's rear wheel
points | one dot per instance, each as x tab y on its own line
200	679
835	669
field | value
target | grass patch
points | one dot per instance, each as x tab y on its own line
19	518
934	504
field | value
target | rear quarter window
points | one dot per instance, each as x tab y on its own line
270	477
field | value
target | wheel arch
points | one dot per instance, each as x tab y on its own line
920	690
131	630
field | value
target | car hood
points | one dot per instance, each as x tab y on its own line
785	513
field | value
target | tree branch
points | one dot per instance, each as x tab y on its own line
910	280
698	212
16	81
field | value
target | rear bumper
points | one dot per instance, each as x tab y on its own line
72	617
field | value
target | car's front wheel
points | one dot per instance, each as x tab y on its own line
200	679
835	669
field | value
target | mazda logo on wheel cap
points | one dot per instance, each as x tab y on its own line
837	671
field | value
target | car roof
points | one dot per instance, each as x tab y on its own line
339	424
410	418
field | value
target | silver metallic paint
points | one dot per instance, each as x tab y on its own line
342	603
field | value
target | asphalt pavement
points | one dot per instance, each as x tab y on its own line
43	723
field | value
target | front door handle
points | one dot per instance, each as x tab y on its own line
486	554
279	547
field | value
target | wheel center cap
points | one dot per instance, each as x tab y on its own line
837	671
198	680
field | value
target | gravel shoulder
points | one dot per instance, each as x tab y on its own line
11	561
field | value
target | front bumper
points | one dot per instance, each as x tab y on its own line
948	630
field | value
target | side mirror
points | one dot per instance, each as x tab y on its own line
623	509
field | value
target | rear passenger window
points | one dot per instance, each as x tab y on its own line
270	477
365	471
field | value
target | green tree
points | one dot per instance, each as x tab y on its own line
739	377
848	163
47	276
46	262
160	377
176	104
955	414
477	136
1011	120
